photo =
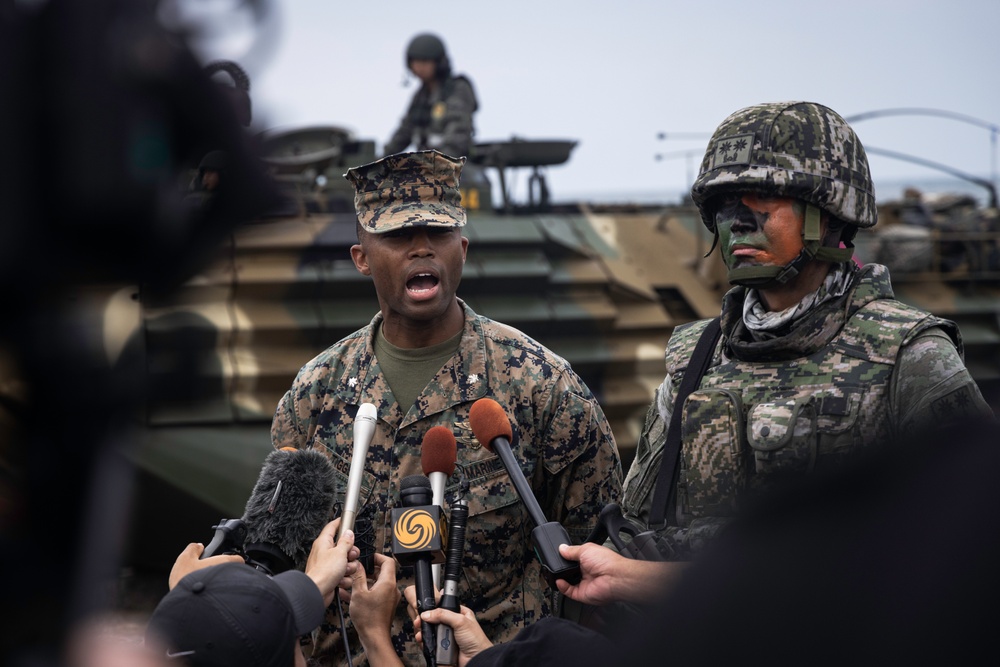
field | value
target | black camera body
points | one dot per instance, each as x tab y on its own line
230	538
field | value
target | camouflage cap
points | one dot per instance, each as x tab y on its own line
801	150
408	190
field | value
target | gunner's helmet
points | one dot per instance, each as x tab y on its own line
427	46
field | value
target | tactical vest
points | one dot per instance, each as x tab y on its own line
750	423
429	110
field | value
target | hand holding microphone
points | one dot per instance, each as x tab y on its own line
364	430
492	428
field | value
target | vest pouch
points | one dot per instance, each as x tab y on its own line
714	463
836	415
805	433
782	436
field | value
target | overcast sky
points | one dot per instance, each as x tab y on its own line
613	75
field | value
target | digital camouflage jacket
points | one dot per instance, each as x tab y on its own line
439	120
854	373
562	441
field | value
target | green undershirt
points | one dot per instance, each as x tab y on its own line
407	371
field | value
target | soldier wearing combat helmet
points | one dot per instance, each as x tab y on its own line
815	360
423	361
440	114
811	361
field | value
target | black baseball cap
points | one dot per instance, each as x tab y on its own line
234	614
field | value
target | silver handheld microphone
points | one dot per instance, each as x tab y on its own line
364	430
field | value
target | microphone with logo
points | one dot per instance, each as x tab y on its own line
492	428
417	540
437	458
288	507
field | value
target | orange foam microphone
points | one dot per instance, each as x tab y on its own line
493	430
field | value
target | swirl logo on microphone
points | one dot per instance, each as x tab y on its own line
415	529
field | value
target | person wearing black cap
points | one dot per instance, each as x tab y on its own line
440	114
233	614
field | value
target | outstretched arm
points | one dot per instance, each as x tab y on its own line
611	577
403	136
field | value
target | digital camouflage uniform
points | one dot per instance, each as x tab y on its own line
857	371
440	119
860	370
562	439
564	444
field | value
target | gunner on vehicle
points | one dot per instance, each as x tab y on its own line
440	114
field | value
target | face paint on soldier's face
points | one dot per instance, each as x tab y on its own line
755	230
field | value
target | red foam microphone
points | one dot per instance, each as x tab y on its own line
437	458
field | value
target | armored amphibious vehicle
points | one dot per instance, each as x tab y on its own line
603	286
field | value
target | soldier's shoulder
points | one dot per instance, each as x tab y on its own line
462	80
346	348
687	334
883	326
506	339
461	85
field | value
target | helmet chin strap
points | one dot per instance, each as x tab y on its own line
761	276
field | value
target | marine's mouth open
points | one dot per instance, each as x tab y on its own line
422	285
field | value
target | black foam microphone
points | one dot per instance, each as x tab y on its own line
288	507
447	653
492	428
417	540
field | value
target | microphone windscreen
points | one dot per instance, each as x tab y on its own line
294	518
414	482
489	421
415	490
438	451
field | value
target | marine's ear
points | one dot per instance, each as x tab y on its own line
360	259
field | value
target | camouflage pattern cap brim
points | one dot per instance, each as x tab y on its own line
408	190
801	150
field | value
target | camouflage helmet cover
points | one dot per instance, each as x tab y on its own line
408	190
801	150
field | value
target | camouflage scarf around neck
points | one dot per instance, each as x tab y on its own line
763	323
806	327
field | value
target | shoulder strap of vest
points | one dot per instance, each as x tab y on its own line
449	86
666	479
879	329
